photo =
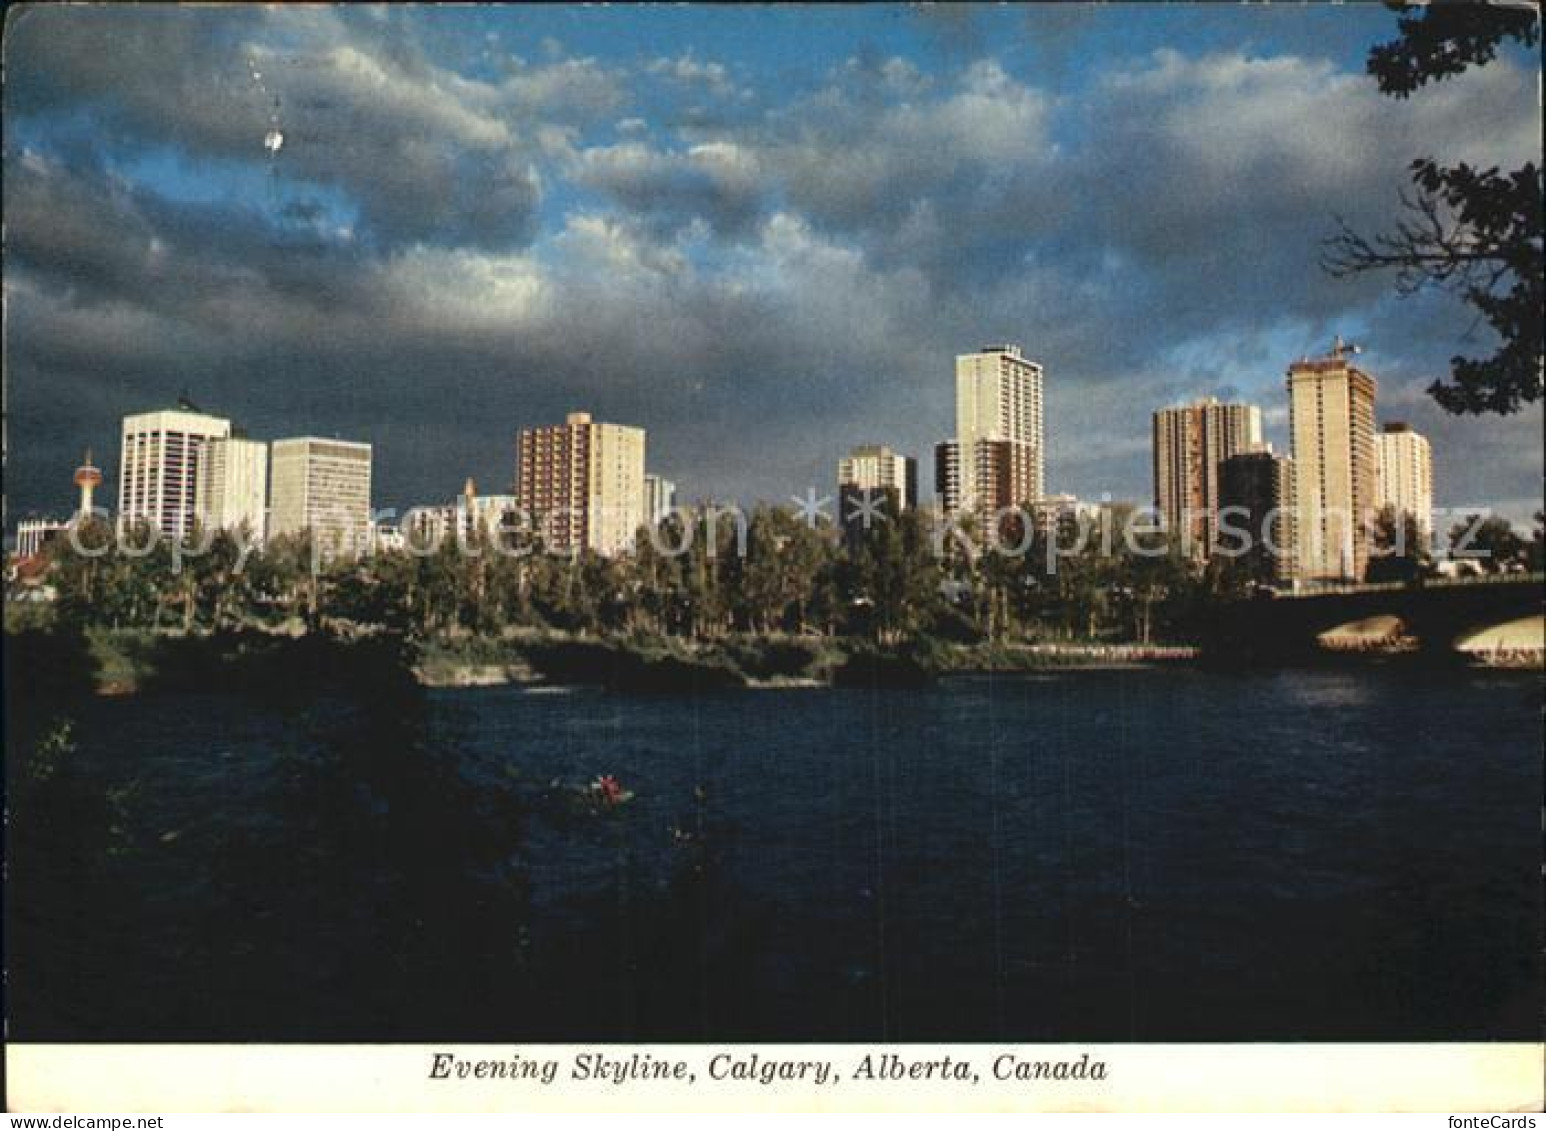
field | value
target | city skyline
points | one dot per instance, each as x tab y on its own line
1190	446
836	211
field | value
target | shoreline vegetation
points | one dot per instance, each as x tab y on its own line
106	661
781	605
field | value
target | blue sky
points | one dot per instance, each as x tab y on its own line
762	233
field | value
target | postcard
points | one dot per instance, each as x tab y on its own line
807	557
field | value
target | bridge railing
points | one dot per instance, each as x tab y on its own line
1536	576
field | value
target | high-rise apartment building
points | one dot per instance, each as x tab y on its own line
659	498
1258	512
1406	475
1336	462
158	467
999	430
1190	442
582	483
322	486
231	487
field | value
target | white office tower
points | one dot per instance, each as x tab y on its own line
322	486
158	467
232	490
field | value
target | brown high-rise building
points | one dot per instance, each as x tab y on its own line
1190	442
582	483
1336	464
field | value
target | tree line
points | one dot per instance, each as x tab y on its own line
699	577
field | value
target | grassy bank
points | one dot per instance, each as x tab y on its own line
132	661
649	663
128	661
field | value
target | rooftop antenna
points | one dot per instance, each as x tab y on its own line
1340	348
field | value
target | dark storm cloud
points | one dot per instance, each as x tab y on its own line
759	287
717	183
425	154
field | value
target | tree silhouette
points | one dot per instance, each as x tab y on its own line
1476	232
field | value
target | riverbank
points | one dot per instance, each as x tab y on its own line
131	661
755	662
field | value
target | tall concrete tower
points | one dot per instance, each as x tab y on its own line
1331	419
999	429
88	477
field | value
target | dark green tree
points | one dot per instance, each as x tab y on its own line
1490	542
1477	232
1397	552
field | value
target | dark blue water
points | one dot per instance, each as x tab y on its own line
1136	855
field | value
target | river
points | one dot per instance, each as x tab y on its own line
1151	854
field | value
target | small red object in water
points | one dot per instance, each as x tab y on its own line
609	788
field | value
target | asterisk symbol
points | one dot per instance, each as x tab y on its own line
811	510
869	508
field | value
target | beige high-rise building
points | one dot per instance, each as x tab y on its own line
1190	442
999	399
1336	464
158	467
322	486
232	486
1406	475
582	483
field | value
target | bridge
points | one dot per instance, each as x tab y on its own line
1434	616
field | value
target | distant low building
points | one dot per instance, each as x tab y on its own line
489	515
386	537
659	498
874	484
424	528
32	534
1052	512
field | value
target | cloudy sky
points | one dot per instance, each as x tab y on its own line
761	234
